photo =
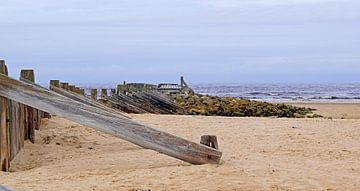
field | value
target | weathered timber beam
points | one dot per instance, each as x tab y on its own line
107	122
124	105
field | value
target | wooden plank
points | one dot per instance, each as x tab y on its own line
30	124
108	122
4	127
14	130
125	105
21	114
4	144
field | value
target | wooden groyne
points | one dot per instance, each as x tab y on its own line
69	102
143	102
18	122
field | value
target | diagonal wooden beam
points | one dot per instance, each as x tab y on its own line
107	122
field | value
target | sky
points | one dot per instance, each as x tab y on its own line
207	41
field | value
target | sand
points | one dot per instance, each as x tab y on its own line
259	154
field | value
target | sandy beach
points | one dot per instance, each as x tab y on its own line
258	154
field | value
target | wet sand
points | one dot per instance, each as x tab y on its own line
258	154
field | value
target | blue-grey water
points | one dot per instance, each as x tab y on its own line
274	92
285	92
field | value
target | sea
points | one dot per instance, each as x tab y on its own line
317	93
273	92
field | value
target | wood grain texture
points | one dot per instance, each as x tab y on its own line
32	113
4	127
108	122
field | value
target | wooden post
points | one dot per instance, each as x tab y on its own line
210	141
112	91
64	85
27	75
31	113
55	83
94	94
4	127
72	88
16	128
104	93
82	91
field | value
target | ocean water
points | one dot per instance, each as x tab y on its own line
335	93
344	93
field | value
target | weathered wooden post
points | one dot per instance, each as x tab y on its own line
64	85
94	94
112	91
82	91
55	83
72	88
32	113
16	128
210	141
104	93
77	90
4	127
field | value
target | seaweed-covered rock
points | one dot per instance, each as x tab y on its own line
196	104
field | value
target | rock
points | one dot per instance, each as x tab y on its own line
196	104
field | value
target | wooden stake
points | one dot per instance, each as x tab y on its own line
82	91
94	94
210	141
55	83
64	85
72	88
4	127
104	93
32	113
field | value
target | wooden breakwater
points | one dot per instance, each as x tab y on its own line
68	101
18	122
145	98
143	102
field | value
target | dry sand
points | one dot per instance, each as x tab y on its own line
259	154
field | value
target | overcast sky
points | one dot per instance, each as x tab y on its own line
205	40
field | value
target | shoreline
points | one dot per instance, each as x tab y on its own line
333	110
